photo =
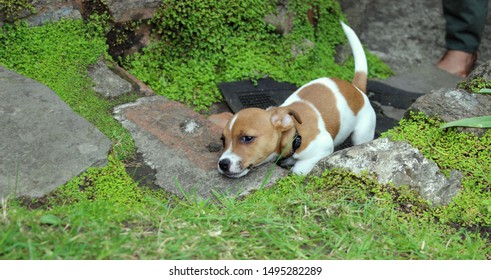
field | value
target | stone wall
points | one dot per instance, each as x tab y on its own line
37	12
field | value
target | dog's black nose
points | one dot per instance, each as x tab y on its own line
224	164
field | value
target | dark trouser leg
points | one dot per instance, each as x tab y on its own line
465	21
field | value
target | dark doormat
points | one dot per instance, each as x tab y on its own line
263	94
267	92
391	96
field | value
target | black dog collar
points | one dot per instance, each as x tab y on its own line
297	141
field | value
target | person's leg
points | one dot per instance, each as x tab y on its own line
465	21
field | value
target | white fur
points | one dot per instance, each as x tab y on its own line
356	49
234	159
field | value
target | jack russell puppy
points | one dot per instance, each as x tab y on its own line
306	127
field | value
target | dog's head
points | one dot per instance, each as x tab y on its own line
252	137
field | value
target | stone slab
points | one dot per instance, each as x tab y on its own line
183	147
423	79
45	11
454	104
43	143
398	163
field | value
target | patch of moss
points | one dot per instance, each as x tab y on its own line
475	85
110	184
337	186
13	9
203	43
464	152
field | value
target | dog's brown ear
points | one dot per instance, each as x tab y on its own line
282	118
221	119
295	115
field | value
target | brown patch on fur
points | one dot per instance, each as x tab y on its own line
324	100
360	81
308	130
221	119
351	94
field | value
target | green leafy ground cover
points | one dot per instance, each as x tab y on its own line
105	214
202	43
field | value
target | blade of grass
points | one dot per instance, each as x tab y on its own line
480	122
485	91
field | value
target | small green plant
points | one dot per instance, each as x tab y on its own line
476	85
13	9
110	183
487	204
99	23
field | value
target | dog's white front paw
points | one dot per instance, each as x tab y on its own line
303	167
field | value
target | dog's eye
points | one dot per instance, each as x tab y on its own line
247	139
223	140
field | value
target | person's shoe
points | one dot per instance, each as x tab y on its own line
458	63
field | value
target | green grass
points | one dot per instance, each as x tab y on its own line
105	214
299	218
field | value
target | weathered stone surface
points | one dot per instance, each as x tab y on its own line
183	147
48	10
138	85
43	143
454	104
51	13
106	82
398	163
356	11
483	71
124	10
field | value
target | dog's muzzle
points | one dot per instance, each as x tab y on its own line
224	165
229	169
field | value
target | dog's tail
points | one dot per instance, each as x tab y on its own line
361	68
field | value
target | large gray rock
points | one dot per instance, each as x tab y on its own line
398	163
454	104
43	143
482	71
46	10
183	148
